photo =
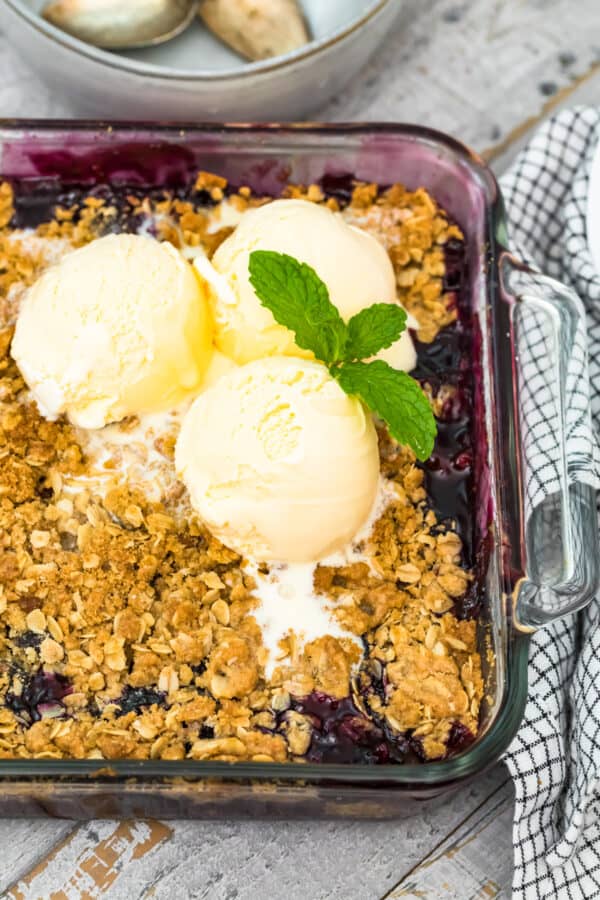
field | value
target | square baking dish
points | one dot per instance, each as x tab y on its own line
538	564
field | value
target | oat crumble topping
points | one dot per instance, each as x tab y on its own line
126	630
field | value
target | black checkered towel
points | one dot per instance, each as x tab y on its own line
555	758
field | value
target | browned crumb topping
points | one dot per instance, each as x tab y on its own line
150	618
429	657
6	203
414	229
79	225
214	184
19	268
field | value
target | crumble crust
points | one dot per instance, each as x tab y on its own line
126	629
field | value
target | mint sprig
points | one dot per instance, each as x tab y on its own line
374	329
396	398
299	300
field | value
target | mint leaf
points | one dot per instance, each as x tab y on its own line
396	398
299	300
373	329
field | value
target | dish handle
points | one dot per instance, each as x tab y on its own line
553	408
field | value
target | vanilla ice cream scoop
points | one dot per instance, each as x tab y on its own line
116	328
279	462
354	265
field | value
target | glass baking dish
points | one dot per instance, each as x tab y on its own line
533	574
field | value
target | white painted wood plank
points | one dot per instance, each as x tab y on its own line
588	92
475	69
475	861
245	860
24	841
95	855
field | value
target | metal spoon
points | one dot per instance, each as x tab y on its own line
257	29
121	24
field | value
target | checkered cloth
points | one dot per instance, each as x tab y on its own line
555	758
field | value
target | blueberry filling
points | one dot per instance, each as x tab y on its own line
459	739
344	730
135	699
28	639
42	693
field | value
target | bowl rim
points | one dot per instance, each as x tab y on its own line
122	63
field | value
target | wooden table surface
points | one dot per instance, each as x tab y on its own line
487	71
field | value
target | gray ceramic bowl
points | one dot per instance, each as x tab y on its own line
195	77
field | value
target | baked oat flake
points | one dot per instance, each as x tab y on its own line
127	630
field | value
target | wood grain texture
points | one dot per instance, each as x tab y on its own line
244	860
585	91
23	842
487	71
475	69
94	856
474	862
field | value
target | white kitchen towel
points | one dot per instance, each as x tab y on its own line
555	758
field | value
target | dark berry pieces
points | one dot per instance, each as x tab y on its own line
454	256
68	541
135	699
459	738
28	639
207	732
463	461
41	689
